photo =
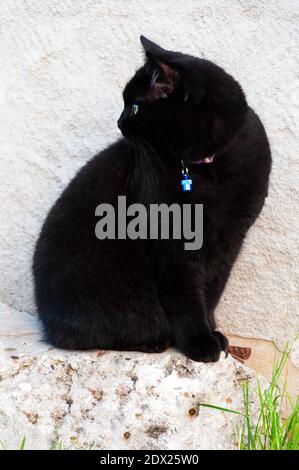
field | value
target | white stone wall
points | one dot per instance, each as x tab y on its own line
63	64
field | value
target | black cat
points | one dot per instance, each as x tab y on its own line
148	294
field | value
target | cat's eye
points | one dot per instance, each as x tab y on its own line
135	108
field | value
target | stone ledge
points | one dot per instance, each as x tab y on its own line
111	400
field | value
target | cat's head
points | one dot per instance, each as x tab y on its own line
179	102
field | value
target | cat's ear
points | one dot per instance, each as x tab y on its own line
164	76
163	80
174	66
153	50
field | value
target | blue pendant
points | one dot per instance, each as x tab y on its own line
186	183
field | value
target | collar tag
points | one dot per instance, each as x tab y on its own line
186	181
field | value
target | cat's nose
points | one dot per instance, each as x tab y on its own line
119	123
122	119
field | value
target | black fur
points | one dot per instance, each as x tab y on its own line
146	295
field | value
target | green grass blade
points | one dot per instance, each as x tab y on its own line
220	408
22	446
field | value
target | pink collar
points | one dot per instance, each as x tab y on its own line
203	160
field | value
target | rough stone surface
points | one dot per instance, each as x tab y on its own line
111	400
63	66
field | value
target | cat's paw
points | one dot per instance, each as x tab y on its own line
203	349
222	340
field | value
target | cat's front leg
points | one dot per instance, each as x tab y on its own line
192	334
182	295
